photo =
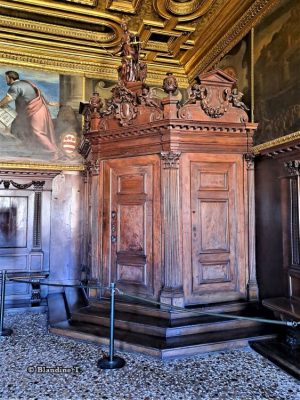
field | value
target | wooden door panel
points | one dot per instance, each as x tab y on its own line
128	231
214	230
213	222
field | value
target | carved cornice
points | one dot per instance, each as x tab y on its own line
159	127
293	167
170	159
276	142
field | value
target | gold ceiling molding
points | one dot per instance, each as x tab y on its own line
46	62
106	68
91	3
58	30
276	142
184	36
124	6
60	10
182	10
235	33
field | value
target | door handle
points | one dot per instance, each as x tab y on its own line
113	226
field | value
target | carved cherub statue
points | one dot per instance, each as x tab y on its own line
235	98
144	97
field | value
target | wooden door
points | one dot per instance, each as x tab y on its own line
217	230
131	235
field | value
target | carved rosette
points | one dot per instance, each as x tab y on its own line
293	167
170	159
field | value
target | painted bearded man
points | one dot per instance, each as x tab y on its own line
33	116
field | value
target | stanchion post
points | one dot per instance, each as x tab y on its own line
3	331
112	361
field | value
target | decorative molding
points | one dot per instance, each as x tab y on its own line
91	3
61	31
170	159
124	6
276	142
182	10
40	166
293	167
37	185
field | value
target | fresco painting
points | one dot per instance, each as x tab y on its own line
276	67
36	123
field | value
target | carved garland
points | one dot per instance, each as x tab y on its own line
37	185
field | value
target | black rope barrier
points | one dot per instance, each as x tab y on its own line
58	284
112	361
293	324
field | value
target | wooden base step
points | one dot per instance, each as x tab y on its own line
163	348
144	308
161	327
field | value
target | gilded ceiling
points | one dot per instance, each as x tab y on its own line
78	36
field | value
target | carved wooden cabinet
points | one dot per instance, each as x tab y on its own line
170	198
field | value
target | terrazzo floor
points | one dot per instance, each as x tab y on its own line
238	374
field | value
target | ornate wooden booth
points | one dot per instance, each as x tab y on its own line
170	192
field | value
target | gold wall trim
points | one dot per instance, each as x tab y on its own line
41	166
276	142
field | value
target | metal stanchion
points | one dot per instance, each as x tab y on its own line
112	361
3	331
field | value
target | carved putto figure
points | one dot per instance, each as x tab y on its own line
144	98
235	98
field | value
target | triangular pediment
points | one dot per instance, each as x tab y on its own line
218	76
